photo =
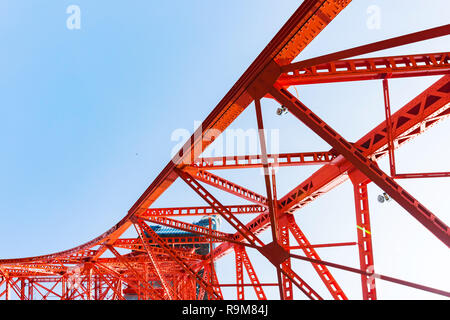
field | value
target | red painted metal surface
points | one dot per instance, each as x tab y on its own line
182	263
274	160
369	69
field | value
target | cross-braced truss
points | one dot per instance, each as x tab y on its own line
182	265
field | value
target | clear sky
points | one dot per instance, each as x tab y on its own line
87	117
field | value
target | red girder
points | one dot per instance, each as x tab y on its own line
429	64
324	245
366	166
274	160
304	287
155	262
228	186
136	245
117	293
323	272
270	252
387	111
304	25
173	261
371	47
192	228
364	232
203	210
220	209
422	175
271	199
374	275
240	292
310	18
284	282
288	292
244	259
152	234
142	284
413	119
215	282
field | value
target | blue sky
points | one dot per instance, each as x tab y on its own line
87	117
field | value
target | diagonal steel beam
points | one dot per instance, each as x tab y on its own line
374	275
153	293
273	251
108	283
325	275
195	229
220	209
230	187
152	234
413	119
155	263
366	166
240	250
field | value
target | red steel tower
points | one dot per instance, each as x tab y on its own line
172	259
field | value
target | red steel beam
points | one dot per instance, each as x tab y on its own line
152	234
414	118
255	161
287	292
324	245
189	227
230	187
215	282
375	275
302	27
315	15
203	210
387	111
272	253
428	64
366	166
372	47
240	292
240	250
136	245
422	175
300	283
247	285
420	114
142	283
364	234
323	272
305	24
151	254
268	183
220	209
173	241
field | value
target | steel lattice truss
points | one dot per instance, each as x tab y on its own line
157	267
